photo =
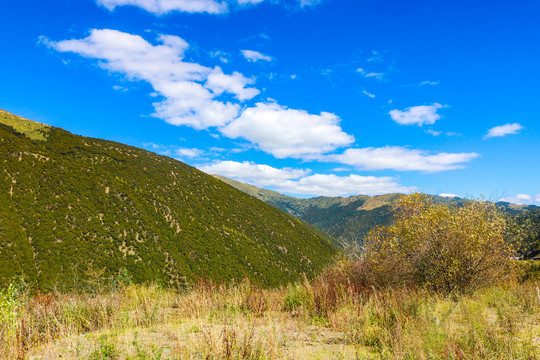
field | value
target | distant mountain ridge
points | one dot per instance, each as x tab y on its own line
348	219
73	206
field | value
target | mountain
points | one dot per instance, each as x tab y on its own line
347	219
72	207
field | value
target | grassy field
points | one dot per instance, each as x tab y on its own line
311	320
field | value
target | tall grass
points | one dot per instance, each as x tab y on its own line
243	321
43	318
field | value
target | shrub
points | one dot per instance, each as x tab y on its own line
448	248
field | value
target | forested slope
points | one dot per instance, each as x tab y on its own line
72	207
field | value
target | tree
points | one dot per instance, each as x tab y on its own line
448	248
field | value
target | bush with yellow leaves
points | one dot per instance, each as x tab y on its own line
450	249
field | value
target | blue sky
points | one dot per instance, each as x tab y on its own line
305	97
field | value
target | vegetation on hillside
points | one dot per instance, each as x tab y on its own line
347	219
350	219
527	232
73	207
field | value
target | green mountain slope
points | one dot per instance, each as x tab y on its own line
347	219
71	206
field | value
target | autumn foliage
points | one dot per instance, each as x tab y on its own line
450	249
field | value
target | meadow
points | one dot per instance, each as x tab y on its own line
326	318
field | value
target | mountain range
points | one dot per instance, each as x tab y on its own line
346	219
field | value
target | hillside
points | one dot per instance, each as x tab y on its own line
73	207
348	219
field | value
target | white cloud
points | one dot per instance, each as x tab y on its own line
304	3
236	83
189	103
297	181
120	88
189	153
401	159
432	83
446	133
503	130
368	94
375	75
254	56
160	7
222	56
249	2
285	132
338	169
333	185
417	115
448	195
189	89
218	149
522	199
433	132
252	173
152	145
191	95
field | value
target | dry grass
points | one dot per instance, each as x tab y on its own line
328	318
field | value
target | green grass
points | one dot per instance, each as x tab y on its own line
33	130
